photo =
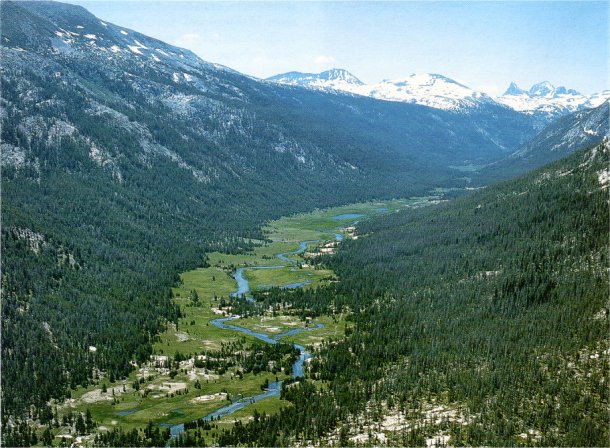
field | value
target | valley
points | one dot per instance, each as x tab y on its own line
195	256
193	373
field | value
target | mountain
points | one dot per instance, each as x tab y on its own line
549	102
125	160
568	133
431	90
513	89
337	79
543	101
555	141
558	139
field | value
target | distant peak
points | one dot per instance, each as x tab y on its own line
543	88
561	90
546	89
425	80
339	74
441	77
514	89
299	78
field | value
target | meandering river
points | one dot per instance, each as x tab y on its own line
274	389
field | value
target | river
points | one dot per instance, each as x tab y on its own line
274	389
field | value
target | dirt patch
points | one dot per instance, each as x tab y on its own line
291	324
170	388
213	397
269	328
97	395
182	337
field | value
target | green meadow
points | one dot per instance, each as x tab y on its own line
202	295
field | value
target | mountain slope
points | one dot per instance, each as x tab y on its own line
125	159
560	138
482	321
567	134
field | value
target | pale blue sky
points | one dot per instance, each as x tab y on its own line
484	45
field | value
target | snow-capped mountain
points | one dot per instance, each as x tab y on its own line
431	90
546	100
336	79
543	100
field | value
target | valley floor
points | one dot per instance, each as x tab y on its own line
199	368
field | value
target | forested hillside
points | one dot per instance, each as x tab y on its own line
482	321
125	159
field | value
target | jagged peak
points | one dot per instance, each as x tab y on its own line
543	88
561	90
514	89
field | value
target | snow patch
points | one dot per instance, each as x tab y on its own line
123	32
135	49
91	36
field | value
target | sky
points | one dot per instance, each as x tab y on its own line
482	44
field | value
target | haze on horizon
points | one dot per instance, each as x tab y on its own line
484	45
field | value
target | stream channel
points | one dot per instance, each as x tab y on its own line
274	389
